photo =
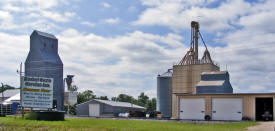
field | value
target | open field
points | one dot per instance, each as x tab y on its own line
76	124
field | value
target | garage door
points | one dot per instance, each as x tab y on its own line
227	109
94	110
193	109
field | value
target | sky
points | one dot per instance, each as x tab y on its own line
120	46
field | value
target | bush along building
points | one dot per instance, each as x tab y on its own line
199	90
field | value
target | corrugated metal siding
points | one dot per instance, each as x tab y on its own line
42	59
107	109
164	95
83	109
186	77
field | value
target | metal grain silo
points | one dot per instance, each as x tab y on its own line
164	94
43	61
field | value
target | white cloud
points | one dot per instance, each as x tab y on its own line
123	64
10	7
255	88
112	20
19	14
57	16
6	21
178	14
106	5
87	23
11	56
43	4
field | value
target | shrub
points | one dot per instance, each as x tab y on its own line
31	116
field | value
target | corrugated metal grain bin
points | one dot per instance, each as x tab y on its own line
164	94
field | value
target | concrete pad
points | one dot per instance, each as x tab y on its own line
263	126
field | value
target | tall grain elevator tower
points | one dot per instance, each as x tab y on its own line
43	61
187	73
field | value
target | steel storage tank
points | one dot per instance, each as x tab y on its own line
164	94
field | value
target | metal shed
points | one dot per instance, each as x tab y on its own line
105	108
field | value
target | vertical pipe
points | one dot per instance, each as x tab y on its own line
196	37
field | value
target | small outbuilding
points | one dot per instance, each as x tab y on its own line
105	108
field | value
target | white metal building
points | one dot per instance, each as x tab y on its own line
105	108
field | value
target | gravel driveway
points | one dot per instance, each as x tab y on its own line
263	126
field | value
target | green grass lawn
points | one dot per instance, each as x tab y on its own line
74	124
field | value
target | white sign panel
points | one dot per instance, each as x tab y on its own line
71	98
37	92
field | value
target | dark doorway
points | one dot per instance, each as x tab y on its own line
264	109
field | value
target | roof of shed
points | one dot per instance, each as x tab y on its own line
120	104
45	34
11	92
16	97
116	103
210	83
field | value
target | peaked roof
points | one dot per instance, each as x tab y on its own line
44	34
16	97
10	93
116	103
168	73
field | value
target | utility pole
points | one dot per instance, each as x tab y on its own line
21	89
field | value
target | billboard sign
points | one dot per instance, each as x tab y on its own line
37	92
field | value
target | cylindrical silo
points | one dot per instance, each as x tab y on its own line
164	94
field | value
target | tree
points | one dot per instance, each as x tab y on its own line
142	99
73	88
85	96
151	105
114	99
103	98
5	87
125	98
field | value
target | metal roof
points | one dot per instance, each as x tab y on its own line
210	83
45	34
119	104
168	73
214	72
116	103
15	97
10	93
